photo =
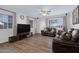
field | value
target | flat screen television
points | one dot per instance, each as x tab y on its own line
22	28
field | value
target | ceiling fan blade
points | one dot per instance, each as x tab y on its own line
49	11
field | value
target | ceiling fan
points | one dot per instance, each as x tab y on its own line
45	12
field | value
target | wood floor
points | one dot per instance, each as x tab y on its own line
34	44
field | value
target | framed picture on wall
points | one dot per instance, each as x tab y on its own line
75	16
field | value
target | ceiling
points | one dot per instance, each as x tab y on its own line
34	10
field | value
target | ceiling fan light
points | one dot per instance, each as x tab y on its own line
44	14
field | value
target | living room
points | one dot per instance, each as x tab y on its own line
45	22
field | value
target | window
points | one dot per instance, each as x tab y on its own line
5	21
56	22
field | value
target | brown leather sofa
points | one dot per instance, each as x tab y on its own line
49	32
67	43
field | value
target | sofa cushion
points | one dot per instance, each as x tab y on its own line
59	32
75	38
70	30
63	36
49	29
66	36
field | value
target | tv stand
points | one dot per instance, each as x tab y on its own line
22	35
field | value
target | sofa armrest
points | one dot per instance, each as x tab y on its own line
60	46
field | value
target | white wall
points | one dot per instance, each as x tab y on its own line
5	33
21	21
38	24
33	29
69	22
41	24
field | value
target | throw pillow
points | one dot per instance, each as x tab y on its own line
45	29
75	38
74	33
63	36
52	30
69	36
